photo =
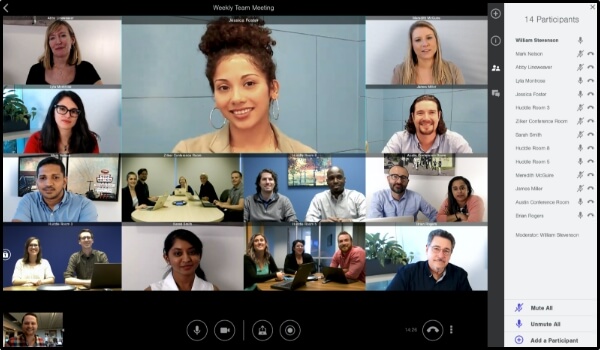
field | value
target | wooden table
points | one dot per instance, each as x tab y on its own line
317	285
191	212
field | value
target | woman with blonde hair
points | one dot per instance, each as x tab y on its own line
423	64
259	265
61	63
183	184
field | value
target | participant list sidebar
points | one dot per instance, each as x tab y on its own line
550	117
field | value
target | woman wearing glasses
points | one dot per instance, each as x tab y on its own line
65	129
32	270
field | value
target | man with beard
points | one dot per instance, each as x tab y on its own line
29	338
435	273
267	204
337	204
426	132
399	201
81	264
51	203
350	258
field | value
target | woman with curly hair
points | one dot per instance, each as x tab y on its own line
241	73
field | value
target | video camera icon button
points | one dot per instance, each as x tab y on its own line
197	330
224	330
289	330
262	330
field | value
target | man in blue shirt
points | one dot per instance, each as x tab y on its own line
435	273
399	201
51	203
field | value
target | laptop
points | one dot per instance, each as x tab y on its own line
335	274
208	204
299	280
160	202
191	197
106	275
392	219
180	192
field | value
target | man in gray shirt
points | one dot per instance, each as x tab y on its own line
426	132
337	204
234	206
267	204
81	264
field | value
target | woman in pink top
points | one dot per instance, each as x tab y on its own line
65	129
461	205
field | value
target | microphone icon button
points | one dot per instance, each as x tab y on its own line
197	330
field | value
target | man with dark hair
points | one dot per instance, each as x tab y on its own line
350	258
426	132
267	204
51	202
29	337
233	207
81	264
338	204
142	188
398	200
435	273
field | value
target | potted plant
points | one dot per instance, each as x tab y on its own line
16	115
384	255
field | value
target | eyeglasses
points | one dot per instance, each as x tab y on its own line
437	250
85	238
60	109
399	177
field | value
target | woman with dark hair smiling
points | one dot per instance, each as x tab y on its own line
182	251
65	129
461	205
241	73
32	270
297	257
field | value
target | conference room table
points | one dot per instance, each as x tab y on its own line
317	285
193	211
34	288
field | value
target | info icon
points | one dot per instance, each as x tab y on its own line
289	330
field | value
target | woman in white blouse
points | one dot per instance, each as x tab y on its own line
32	270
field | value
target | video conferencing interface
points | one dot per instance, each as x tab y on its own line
249	174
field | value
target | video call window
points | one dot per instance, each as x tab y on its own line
92	42
47	328
319	67
95	177
386	64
